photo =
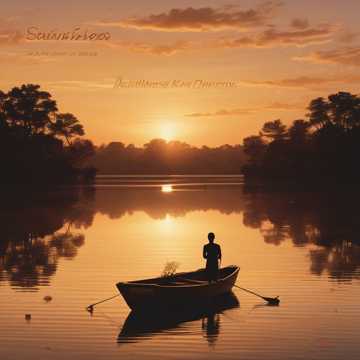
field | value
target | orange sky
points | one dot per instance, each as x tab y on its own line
280	55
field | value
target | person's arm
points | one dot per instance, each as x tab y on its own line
219	255
204	252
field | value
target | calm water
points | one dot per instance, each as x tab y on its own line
73	246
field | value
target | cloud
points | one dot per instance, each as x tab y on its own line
251	110
153	49
347	36
284	107
300	24
273	37
79	85
11	37
9	31
201	19
223	112
341	56
306	82
266	39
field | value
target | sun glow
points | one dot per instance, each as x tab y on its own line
167	131
166	189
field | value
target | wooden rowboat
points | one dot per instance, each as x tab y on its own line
181	289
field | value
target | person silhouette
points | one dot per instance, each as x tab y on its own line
212	254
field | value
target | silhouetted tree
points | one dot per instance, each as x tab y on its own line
67	126
299	131
32	150
173	157
325	147
80	151
318	115
28	109
255	148
273	130
344	110
341	110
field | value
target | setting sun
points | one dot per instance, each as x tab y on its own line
167	131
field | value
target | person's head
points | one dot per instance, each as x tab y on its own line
211	237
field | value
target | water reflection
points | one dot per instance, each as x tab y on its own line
211	327
36	231
166	188
328	222
157	205
139	326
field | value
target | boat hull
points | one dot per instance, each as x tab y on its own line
173	292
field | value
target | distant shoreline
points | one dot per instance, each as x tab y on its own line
169	175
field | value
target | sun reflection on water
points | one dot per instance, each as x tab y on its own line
167	188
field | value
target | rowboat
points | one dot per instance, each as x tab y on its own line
179	290
139	326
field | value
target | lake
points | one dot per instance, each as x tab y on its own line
65	249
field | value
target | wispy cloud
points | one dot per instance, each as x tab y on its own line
306	82
201	19
277	106
270	38
151	48
300	24
348	36
273	37
10	34
79	85
342	56
223	112
11	37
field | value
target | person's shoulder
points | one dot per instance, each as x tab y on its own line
218	246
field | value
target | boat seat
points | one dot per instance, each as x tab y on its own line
169	283
194	281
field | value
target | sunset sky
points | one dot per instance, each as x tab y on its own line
280	54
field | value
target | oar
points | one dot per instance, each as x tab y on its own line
271	301
90	308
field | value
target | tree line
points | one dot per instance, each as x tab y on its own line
41	145
323	146
38	144
161	157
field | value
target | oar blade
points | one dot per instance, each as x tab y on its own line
272	301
